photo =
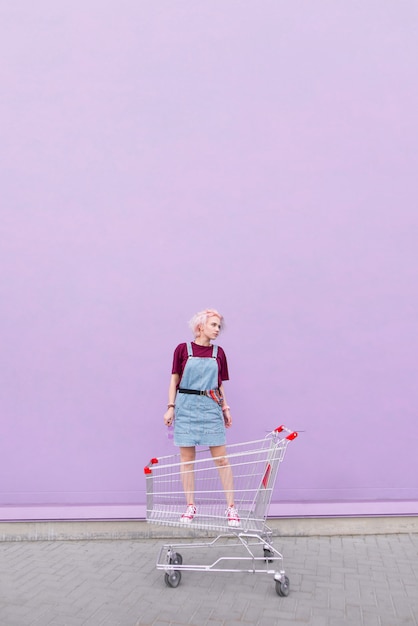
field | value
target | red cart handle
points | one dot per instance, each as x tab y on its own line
292	434
147	468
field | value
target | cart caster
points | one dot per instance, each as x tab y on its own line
172	579
282	586
176	559
268	555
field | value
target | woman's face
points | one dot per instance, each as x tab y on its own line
211	328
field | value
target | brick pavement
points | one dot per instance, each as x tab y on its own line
369	580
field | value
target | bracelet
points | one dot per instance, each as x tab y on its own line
225	408
171	406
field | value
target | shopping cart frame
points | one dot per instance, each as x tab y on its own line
255	465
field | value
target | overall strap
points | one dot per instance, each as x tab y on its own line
214	351
189	349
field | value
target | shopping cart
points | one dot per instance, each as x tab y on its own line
254	467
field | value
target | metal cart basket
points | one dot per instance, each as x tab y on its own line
254	466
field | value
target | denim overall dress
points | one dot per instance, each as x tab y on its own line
198	418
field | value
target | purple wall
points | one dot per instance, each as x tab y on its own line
158	158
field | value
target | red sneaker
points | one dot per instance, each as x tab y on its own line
233	517
188	516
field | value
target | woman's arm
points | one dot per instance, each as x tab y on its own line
225	408
172	392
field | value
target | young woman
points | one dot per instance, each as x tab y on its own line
201	418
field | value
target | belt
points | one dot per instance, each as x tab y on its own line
195	392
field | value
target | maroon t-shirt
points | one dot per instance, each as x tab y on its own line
180	358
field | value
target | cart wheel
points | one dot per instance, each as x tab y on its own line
268	555
172	579
282	587
176	559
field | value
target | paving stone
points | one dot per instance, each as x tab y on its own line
367	580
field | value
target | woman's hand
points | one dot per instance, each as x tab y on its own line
225	409
227	418
172	391
169	416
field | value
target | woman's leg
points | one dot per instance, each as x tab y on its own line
187	456
225	472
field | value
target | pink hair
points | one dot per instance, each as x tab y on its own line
200	318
